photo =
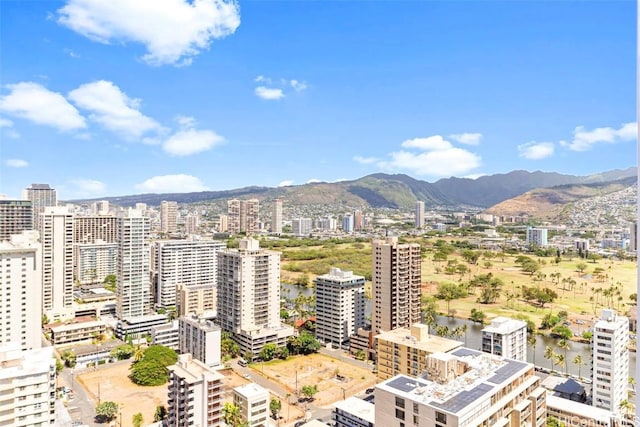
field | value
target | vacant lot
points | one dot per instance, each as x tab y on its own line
330	375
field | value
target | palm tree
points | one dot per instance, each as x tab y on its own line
550	355
560	360
564	344
577	360
138	354
532	340
632	383
626	406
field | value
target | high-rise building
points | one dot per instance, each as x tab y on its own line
249	296
21	291
301	226
223	223
168	216
201	338
340	306
610	361
195	394
93	262
15	217
419	214
133	280
27	386
404	351
464	388
56	236
276	216
253	402
506	337
396	284
633	236
186	262
41	196
358	220
536	237
191	224
93	228
243	216
347	223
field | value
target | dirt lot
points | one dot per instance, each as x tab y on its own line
331	376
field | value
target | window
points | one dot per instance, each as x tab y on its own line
399	414
441	418
399	402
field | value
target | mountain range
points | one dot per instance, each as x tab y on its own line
396	191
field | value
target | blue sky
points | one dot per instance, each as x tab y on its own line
113	98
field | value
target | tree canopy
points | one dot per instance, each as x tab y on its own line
152	370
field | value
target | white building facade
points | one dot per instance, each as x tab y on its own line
201	338
506	337
133	279
419	214
253	402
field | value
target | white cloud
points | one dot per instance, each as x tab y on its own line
262	79
186	122
584	140
71	53
340	180
191	141
298	86
536	150
285	183
269	93
365	160
5	123
16	163
467	138
436	142
173	31
34	102
313	181
179	183
89	187
113	109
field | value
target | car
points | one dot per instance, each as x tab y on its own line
369	390
299	423
247	376
242	362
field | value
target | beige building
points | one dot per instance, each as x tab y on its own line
15	217
253	402
464	388
243	216
21	291
168	216
191	223
77	332
94	228
404	351
27	386
276	216
396	284
196	300
195	394
56	236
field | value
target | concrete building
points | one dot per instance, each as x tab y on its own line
464	388
133	278
253	402
301	226
506	337
326	224
185	262
27	386
56	236
41	196
198	300
243	216
358	220
582	246
340	306
223	223
249	296
167	334
15	217
21	291
404	351
572	413
92	229
610	361
94	261
633	236
195	394
168	217
354	412
396	284
201	338
348	223
137	327
419	214
276	217
77	332
536	237
191	224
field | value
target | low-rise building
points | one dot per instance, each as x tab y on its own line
137	327
167	335
572	413
253	402
506	337
77	332
354	412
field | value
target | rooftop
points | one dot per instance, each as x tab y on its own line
430	344
504	325
580	409
251	390
358	407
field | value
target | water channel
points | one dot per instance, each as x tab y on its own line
473	338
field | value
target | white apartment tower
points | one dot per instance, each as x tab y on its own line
536	237
243	216
253	402
56	236
506	337
27	386
168	216
94	261
301	226
610	361
249	296
195	394
396	285
21	291
348	223
419	214
340	306
276	216
201	338
185	262
133	280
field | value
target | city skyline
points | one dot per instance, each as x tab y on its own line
284	93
